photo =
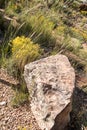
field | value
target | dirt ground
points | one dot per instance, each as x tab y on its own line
20	118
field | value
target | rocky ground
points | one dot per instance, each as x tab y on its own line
20	118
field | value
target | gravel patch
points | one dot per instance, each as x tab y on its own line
13	118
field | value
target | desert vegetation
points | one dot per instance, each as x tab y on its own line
34	29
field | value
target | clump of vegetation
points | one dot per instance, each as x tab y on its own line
19	99
21	93
39	27
24	51
80	34
56	26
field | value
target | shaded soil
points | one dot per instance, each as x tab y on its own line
79	112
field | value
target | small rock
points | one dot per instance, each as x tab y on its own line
3	103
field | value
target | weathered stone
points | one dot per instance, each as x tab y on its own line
50	82
2	103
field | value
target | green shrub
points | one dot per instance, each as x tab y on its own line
42	27
60	30
13	7
21	93
39	27
73	45
83	54
19	99
77	33
41	23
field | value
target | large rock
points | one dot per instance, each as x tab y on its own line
50	82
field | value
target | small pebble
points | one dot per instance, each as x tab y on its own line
3	103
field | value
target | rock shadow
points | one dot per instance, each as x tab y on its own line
79	112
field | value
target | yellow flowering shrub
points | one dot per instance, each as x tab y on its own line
24	51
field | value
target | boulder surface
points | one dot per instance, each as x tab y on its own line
50	82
